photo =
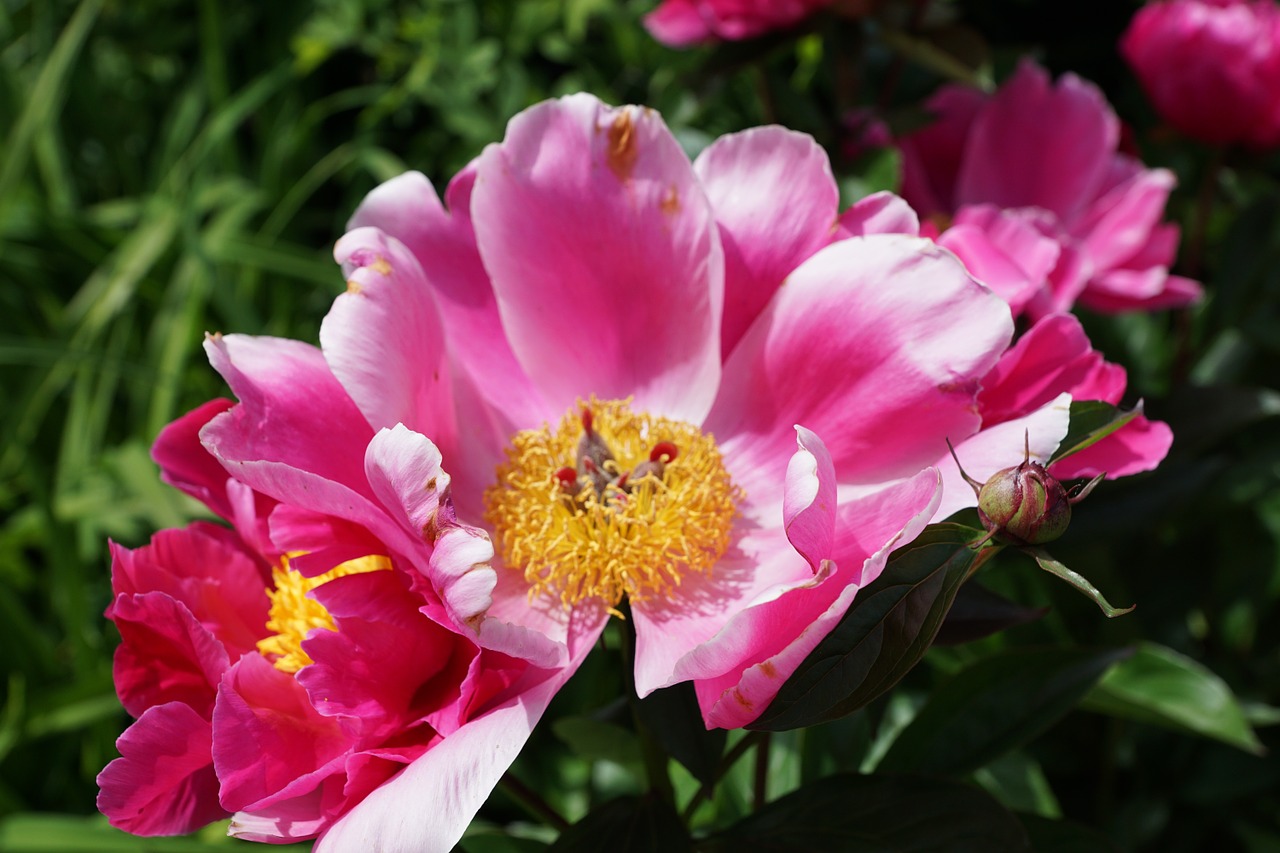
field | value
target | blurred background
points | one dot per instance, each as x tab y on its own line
170	168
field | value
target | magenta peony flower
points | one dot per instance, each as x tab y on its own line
1211	67
679	23
1027	187
283	670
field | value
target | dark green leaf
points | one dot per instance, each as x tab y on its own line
978	612
597	740
1161	687
1064	836
885	632
1077	580
490	839
1092	421
895	814
994	706
626	825
673	717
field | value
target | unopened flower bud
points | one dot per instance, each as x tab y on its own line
1025	505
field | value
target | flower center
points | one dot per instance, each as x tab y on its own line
611	503
294	614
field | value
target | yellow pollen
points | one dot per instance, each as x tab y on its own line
629	530
294	614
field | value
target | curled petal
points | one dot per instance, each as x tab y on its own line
383	339
163	783
165	654
878	213
809	499
267	735
207	570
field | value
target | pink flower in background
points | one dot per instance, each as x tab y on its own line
1049	365
1211	67
284	690
679	23
1028	188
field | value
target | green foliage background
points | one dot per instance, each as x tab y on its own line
171	168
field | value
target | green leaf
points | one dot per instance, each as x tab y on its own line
597	740
1092	421
626	825
1018	782
884	633
1161	687
978	612
1064	836
994	706
1077	580
480	838
877	813
874	172
673	717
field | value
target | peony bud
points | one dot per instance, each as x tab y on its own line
1025	505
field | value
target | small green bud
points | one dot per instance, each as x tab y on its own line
1025	505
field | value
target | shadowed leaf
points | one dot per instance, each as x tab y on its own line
877	813
994	706
883	635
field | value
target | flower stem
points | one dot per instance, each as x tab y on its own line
1204	208
726	763
893	76
655	757
760	786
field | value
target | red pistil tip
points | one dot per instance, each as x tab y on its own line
568	477
661	449
587	420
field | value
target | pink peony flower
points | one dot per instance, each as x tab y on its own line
613	349
693	389
1027	187
1211	67
679	23
282	671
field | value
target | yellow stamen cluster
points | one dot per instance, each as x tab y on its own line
637	542
294	614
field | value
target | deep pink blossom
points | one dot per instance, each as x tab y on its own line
1028	188
684	22
1211	67
286	736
